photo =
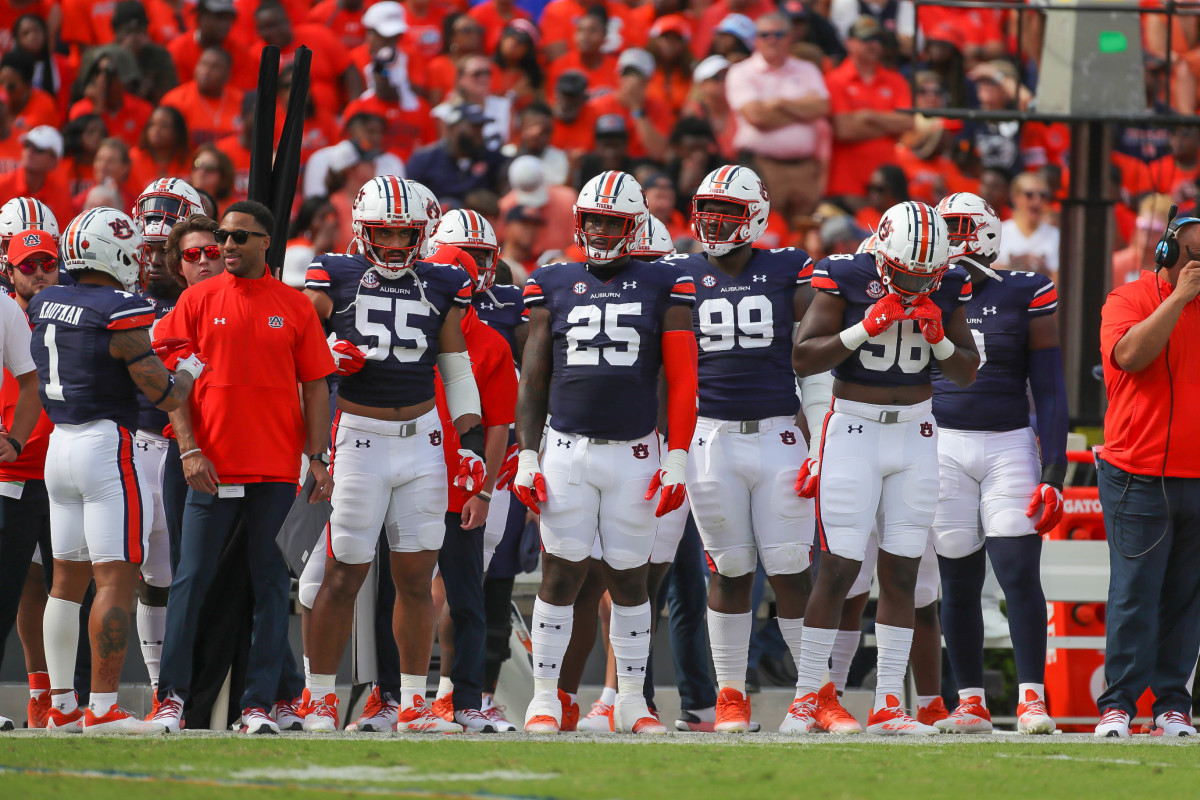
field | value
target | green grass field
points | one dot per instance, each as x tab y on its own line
761	767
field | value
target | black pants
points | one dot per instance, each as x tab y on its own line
461	564
174	493
24	524
1153	613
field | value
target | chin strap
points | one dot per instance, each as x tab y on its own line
991	273
499	304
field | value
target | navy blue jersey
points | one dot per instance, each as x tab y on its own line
744	332
899	356
607	343
999	314
395	321
78	379
503	312
150	418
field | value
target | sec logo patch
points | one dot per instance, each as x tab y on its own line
579	288
875	289
369	279
709	281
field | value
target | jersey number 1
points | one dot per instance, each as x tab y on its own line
54	389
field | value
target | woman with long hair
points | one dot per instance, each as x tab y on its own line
213	172
163	151
462	37
518	69
53	73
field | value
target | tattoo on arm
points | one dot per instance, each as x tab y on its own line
148	372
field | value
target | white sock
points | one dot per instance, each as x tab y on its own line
966	694
320	685
893	645
816	645
1038	688
411	686
845	645
101	702
793	635
66	702
307	671
608	696
60	633
152	627
730	638
488	703
629	634
445	686
550	632
925	700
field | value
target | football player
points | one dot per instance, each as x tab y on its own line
879	321
599	333
164	203
91	343
993	462
23	214
394	318
747	448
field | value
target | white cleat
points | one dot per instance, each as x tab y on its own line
322	716
970	717
1032	717
378	716
893	720
474	721
598	720
801	715
419	718
1175	723
288	715
256	721
1114	724
6	724
544	714
169	713
632	715
119	721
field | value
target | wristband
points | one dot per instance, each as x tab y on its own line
485	496
167	393
472	440
136	359
943	349
15	445
191	452
1052	475
854	337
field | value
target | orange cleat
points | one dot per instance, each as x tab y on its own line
570	713
933	713
831	716
444	707
733	712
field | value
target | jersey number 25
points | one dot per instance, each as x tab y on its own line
586	324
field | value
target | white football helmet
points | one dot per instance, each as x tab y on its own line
469	231
653	242
742	187
867	246
974	230
105	240
163	204
388	202
22	214
431	208
912	249
610	194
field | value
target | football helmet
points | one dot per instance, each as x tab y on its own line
163	204
609	194
653	242
912	250
867	246
469	231
742	187
22	214
388	202
431	208
105	240
974	230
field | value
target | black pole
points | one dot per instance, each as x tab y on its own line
287	160
262	142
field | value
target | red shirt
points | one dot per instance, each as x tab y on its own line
425	30
1141	413
492	366
185	52
406	130
55	192
346	24
600	79
31	464
853	162
40	109
330	59
259	339
494	22
240	156
657	111
208	119
126	123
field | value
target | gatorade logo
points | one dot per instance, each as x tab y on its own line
1083	506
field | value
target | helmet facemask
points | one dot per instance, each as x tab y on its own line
485	260
910	284
723	229
604	247
393	257
157	213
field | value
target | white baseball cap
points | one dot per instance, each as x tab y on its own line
528	181
44	137
386	18
638	59
710	68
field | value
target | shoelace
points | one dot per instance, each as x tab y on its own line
840	714
799	708
374	706
1036	707
475	714
168	707
1177	717
599	709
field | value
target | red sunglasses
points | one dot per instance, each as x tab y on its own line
30	267
192	254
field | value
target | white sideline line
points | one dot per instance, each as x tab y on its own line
358	774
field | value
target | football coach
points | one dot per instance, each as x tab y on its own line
1149	476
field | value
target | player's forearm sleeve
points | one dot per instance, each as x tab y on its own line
679	364
1050	400
462	395
816	395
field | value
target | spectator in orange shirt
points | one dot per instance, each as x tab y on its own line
518	248
213	172
561	17
669	40
921	152
864	96
694	154
111	171
333	78
555	205
131	33
714	20
994	189
495	16
427	26
610	152
164	150
887	187
214	28
408	122
36	175
647	120
598	67
535	126
27	107
210	105
574	120
52	72
518	71
104	93
87	23
464	37
81	139
661	200
343	17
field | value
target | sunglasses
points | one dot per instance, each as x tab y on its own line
480	73
211	251
206	166
1033	195
239	237
30	267
771	34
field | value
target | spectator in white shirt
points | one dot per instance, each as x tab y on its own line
1029	243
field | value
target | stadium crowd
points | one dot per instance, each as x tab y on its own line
505	126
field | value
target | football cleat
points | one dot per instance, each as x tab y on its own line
570	713
118	721
544	714
831	716
444	706
38	710
65	722
1114	724
474	721
733	712
6	724
892	720
256	721
1175	723
971	716
418	718
496	715
933	713
322	716
700	720
289	715
632	715
169	714
801	715
1032	716
378	715
598	720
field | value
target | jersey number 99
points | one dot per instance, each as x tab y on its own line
721	326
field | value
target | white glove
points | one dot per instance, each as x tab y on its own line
672	472
192	365
529	485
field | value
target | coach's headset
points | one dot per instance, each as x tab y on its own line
1166	255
